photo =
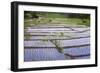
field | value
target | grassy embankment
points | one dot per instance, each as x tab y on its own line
56	19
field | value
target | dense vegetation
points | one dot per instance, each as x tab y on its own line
34	18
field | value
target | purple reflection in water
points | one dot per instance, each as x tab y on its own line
48	54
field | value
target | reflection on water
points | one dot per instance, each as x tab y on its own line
49	54
34	47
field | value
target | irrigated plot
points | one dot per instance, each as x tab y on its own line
45	43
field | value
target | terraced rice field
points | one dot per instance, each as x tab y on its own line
57	42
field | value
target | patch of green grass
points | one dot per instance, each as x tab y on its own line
71	21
